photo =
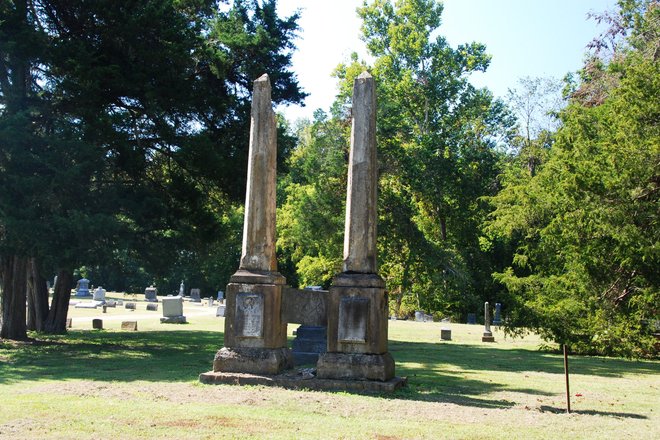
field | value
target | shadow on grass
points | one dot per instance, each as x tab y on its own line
492	358
180	356
622	415
169	356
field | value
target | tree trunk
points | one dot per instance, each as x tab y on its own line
56	321
14	288
37	297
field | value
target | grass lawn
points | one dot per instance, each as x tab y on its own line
111	384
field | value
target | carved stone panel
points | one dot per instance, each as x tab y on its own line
250	315
353	319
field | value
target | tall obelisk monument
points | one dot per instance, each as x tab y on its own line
357	305
255	335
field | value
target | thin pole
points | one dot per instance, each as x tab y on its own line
568	392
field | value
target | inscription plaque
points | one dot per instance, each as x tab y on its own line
250	315
353	316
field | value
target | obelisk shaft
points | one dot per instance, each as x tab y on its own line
259	222
361	199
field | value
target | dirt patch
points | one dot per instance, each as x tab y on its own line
190	423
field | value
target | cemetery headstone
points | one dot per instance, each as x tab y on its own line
182	289
151	294
445	334
497	320
129	325
220	311
472	318
111	303
195	295
152	307
221	295
173	310
309	343
99	294
83	287
97	324
129	305
488	334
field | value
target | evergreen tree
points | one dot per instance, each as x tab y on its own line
585	271
122	127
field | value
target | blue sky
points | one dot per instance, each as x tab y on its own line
525	38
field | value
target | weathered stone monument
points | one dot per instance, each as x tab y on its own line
173	310
151	294
255	334
129	325
99	294
352	315
195	295
83	287
472	318
497	320
182	289
445	334
357	303
488	334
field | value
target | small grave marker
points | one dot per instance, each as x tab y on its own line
129	325
445	334
195	295
97	324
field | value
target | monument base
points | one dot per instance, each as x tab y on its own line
252	360
302	380
356	366
173	320
488	337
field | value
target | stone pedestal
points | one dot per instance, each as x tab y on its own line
487	338
268	361
255	334
357	330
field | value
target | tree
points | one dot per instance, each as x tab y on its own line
436	138
131	122
585	270
311	216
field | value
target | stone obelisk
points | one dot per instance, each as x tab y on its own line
357	304
255	335
488	334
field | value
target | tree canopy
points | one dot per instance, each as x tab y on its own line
586	224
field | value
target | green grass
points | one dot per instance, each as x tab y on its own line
113	385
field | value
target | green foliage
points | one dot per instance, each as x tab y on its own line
586	224
436	141
122	136
311	217
437	144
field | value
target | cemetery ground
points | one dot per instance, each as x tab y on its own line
114	384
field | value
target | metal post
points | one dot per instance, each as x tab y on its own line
568	392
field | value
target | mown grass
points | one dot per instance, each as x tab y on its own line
113	384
